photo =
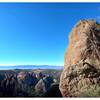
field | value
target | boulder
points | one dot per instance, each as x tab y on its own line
82	60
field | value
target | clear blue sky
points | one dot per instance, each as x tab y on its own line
37	34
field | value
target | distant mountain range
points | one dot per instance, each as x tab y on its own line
31	67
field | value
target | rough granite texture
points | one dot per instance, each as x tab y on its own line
82	60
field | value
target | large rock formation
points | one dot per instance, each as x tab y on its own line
8	87
40	88
82	60
43	85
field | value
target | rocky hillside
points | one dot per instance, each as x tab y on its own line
81	73
30	83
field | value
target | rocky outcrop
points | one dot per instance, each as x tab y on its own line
40	88
82	60
8	86
43	85
27	78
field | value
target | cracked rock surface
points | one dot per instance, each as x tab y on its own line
82	60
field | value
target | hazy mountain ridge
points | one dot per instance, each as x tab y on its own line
31	67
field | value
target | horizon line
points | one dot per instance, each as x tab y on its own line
29	65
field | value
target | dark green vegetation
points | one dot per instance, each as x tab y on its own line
30	83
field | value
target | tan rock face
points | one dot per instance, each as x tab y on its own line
82	59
